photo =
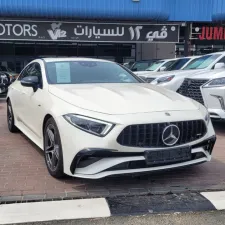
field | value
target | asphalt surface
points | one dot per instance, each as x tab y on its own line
205	218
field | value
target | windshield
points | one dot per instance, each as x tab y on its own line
202	62
178	64
155	65
84	72
140	66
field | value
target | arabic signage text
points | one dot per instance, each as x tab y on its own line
208	33
88	32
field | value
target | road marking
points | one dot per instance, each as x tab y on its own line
54	210
216	198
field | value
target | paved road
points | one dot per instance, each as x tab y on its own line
206	218
23	173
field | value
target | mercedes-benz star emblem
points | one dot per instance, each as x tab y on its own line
170	135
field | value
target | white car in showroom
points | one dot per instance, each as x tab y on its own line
93	118
208	89
173	79
163	66
157	66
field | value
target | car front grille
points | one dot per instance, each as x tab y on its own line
147	79
191	88
150	135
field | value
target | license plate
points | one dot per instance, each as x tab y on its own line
168	156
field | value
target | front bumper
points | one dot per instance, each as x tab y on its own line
214	100
89	156
99	163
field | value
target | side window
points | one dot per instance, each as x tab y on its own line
24	73
222	60
35	70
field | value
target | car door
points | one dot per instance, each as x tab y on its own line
16	94
33	113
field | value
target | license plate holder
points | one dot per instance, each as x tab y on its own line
167	156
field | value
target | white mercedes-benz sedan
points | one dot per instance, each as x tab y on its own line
95	118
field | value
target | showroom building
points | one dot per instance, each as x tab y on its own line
118	30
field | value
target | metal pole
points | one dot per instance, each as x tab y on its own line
186	40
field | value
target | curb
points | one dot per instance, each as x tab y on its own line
111	206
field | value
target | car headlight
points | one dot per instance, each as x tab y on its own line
90	125
218	82
165	79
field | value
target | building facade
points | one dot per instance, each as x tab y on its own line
118	30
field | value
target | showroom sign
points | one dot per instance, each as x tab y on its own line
88	32
208	33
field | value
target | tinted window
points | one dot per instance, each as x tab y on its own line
155	65
140	66
178	64
202	62
222	60
168	64
24	73
33	69
78	72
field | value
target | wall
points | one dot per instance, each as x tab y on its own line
148	10
155	51
88	9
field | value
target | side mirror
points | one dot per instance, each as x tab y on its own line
134	69
219	65
30	81
162	68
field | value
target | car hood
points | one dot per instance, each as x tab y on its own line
212	74
121	98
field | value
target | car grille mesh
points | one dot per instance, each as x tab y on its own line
150	135
191	88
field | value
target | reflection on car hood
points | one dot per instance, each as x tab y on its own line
121	98
212	74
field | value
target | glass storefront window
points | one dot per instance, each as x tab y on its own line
16	55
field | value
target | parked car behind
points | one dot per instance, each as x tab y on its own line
128	64
173	79
142	65
159	65
208	89
163	66
4	83
8	71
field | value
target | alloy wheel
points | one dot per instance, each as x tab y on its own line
10	116
51	148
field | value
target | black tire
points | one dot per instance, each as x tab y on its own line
53	155
10	118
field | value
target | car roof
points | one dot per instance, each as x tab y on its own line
147	60
74	59
214	53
